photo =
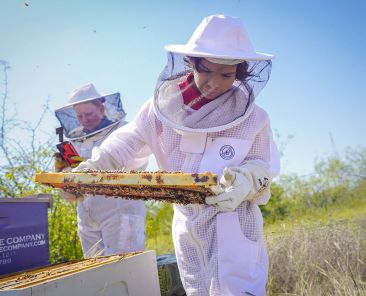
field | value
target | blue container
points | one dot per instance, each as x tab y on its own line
24	233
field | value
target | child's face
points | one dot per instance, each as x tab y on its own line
213	80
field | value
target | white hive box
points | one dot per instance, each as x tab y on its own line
132	275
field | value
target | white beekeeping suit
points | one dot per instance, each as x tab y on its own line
106	225
219	246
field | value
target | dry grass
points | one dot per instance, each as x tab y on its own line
319	260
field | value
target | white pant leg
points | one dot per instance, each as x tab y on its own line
121	222
89	231
124	233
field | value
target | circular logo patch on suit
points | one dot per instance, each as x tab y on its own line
227	152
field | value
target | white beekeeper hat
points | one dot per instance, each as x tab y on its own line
85	93
220	37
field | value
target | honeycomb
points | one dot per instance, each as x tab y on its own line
174	187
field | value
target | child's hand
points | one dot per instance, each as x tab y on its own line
76	160
61	165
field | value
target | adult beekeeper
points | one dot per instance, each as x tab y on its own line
106	225
203	117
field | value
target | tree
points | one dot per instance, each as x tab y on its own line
23	156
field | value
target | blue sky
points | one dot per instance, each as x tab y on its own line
316	91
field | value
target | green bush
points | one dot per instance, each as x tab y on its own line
159	227
278	206
63	236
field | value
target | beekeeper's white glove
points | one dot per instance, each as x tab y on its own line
239	184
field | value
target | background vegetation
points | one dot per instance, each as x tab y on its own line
314	225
